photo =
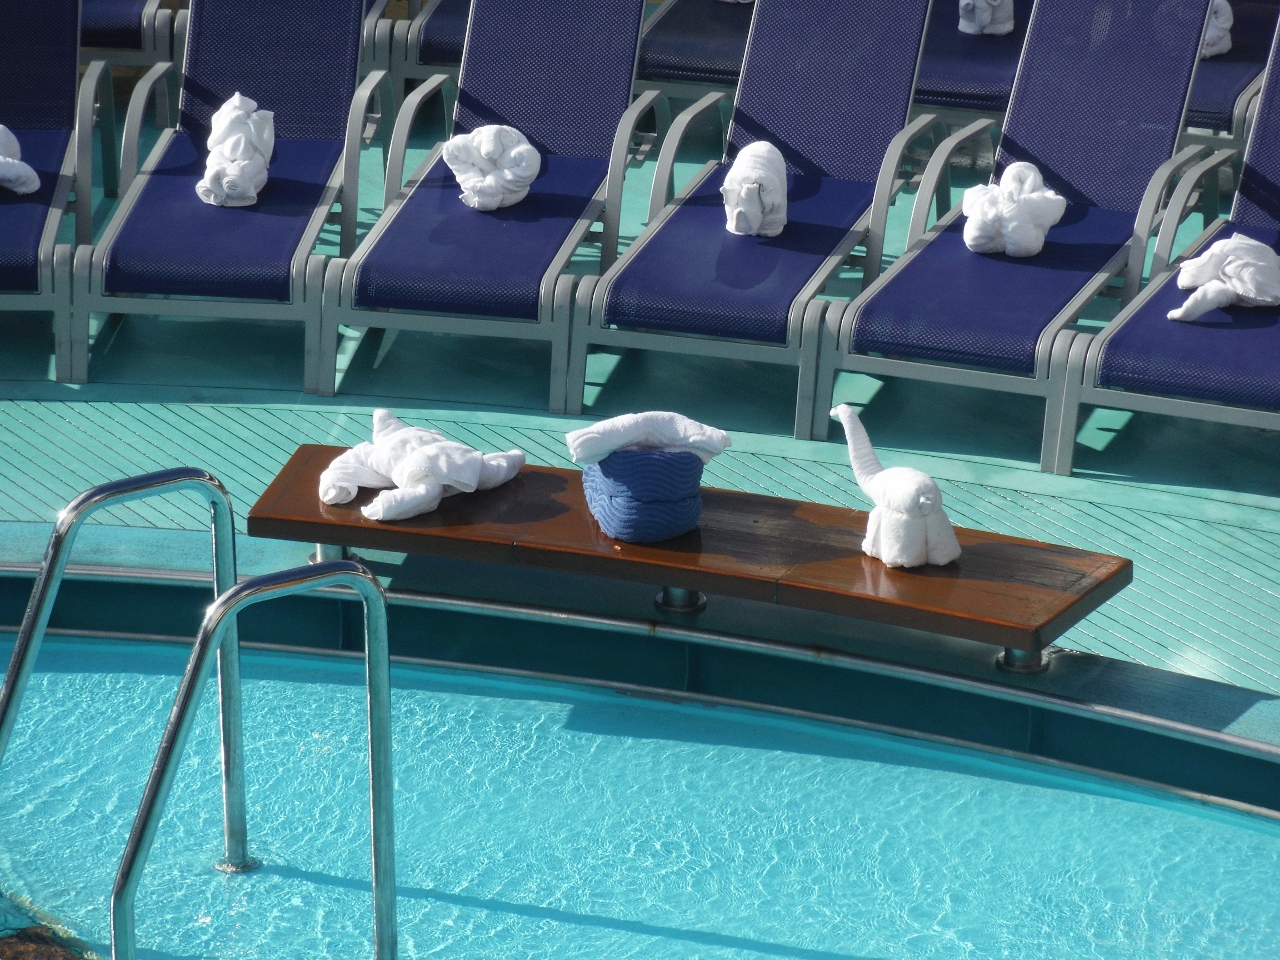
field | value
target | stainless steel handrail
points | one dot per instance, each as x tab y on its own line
45	593
217	621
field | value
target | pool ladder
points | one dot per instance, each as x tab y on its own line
218	635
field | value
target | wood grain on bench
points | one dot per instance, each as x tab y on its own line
1003	590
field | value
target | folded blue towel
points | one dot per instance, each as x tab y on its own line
641	496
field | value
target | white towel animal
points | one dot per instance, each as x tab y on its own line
1237	270
414	468
241	140
907	526
494	165
1011	217
990	17
1217	33
14	174
755	191
654	430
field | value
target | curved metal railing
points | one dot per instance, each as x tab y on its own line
220	619
45	594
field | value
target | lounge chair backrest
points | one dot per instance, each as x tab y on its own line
39	64
1101	93
298	58
828	82
1258	199
559	71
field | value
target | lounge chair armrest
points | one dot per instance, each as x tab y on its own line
351	154
1241	115
922	125
400	137
1180	202
1149	211
181	24
133	121
617	173
95	85
369	29
662	192
935	184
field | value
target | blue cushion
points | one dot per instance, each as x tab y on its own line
1218	85
966	71
444	33
116	24
22	218
439	255
697	41
642	496
1226	356
693	276
172	243
39	64
987	310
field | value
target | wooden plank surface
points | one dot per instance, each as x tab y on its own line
1003	590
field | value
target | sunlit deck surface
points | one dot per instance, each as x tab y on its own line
1195	506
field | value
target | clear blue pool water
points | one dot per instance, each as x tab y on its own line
544	820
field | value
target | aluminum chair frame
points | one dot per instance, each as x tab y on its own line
401	40
306	270
157	41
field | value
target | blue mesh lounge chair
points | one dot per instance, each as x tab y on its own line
830	85
166	252
39	57
964	72
944	314
429	42
1224	366
1226	85
692	46
560	71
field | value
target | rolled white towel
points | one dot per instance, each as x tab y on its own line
241	140
495	165
1237	270
1011	217
654	430
425	495
350	471
14	174
755	191
990	17
1217	33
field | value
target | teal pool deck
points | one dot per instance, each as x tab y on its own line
1196	506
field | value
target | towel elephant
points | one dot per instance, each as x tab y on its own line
907	526
755	191
241	141
1237	270
1011	217
14	174
990	17
495	166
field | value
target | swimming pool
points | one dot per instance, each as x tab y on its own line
537	819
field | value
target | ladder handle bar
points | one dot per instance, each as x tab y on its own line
219	618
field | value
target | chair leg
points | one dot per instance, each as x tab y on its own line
62	257
1065	447
579	343
324	378
828	365
806	378
561	332
76	336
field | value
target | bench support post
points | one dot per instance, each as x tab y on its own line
1022	661
680	600
327	551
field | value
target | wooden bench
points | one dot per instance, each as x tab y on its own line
1017	594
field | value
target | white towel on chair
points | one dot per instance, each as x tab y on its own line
414	468
495	166
1237	270
241	140
1011	217
755	191
990	17
14	174
654	430
1217	33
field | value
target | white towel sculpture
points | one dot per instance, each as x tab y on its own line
1235	270
755	191
1011	217
907	526
14	174
494	165
1217	34
414	468
654	430
241	140
992	17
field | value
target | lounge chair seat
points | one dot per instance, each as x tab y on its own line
112	23
952	306
701	279
1227	356
696	42
969	72
23	218
427	257
210	251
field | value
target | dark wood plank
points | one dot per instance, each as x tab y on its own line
1003	590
